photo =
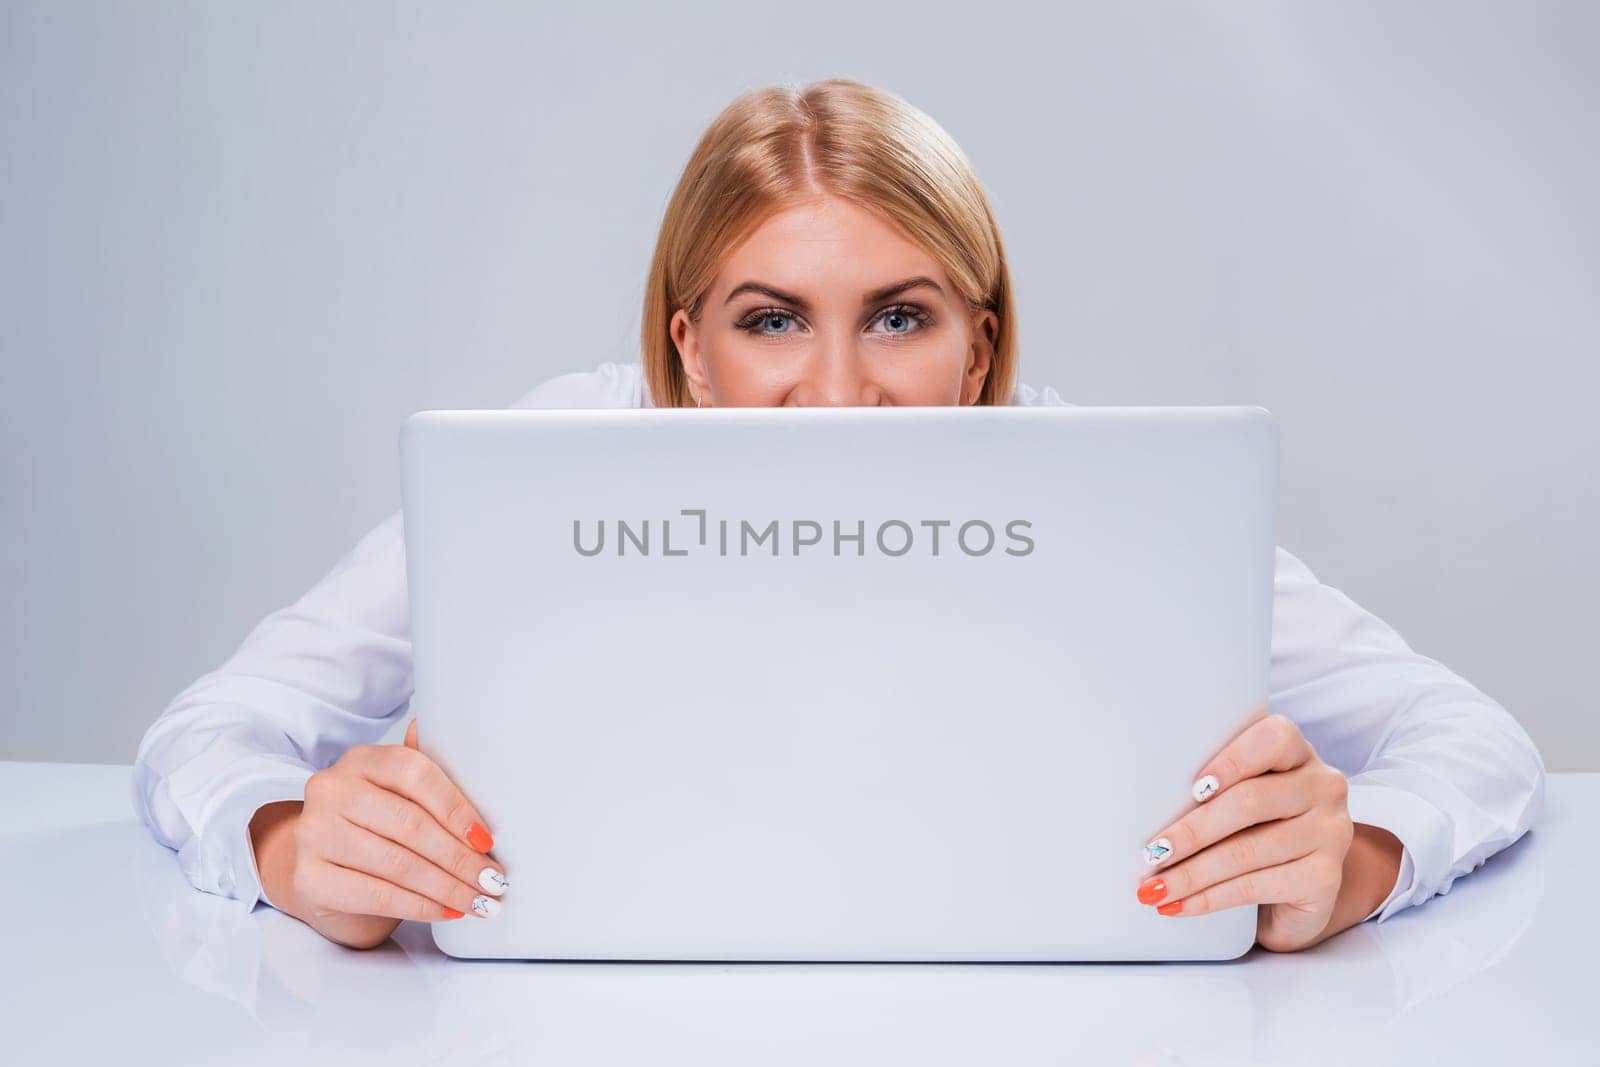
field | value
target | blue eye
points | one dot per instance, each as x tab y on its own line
757	321
909	316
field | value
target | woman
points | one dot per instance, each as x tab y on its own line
825	246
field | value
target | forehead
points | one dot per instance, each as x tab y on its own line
827	244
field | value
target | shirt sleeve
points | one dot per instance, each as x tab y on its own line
1428	757
329	671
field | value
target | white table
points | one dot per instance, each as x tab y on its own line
109	956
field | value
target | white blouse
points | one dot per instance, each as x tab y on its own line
1428	757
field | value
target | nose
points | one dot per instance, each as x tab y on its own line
838	376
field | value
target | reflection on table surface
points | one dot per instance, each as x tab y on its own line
149	969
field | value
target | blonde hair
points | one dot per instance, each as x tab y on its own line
774	146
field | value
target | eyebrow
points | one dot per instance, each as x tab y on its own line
871	298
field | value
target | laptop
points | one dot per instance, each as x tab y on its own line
836	684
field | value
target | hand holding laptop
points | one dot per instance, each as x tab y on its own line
1279	835
383	835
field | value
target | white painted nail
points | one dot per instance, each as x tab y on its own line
1204	788
493	881
485	907
1157	850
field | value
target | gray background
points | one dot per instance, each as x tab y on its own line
239	243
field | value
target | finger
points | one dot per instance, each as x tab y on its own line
362	850
1260	799
1249	850
403	821
1311	877
411	774
341	889
411	734
1271	743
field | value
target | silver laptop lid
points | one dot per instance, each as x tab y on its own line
836	684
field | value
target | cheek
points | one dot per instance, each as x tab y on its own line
925	374
739	380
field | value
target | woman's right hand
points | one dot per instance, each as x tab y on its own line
382	835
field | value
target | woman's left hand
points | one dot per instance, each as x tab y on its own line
1272	829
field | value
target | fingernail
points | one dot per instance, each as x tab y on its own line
451	913
1171	909
1204	788
479	838
1152	891
493	881
1157	850
485	907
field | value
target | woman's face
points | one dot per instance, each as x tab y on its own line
814	309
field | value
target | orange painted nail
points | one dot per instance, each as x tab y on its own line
479	838
1171	909
1152	891
451	913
